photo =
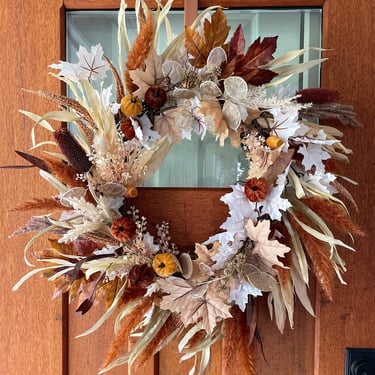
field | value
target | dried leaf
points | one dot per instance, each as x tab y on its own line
214	119
278	166
236	45
151	75
215	33
267	249
201	265
248	66
173	122
194	303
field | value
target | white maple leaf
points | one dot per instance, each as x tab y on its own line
274	203
313	155
267	249
239	293
285	125
320	181
91	65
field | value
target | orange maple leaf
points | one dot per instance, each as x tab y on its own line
215	32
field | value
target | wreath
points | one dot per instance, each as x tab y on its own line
282	218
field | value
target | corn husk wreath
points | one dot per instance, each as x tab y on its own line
281	219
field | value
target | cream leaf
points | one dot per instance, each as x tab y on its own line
174	123
267	249
194	303
152	74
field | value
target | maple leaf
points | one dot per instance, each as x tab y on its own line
267	249
274	203
285	125
91	65
194	303
151	76
248	66
313	155
215	33
174	123
236	45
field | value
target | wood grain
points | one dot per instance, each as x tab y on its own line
33	328
202	4
349	321
31	323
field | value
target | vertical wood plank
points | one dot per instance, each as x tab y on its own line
31	323
190	11
349	321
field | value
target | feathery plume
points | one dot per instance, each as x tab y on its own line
139	51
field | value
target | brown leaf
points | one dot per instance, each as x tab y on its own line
215	33
278	166
65	248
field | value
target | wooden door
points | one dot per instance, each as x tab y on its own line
37	334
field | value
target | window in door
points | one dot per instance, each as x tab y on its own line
195	163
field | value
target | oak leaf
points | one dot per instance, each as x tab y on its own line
215	33
201	265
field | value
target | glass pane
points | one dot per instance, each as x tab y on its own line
199	163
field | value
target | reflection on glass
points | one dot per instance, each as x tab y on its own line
199	163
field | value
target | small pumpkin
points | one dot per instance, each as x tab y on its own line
123	229
256	189
165	264
131	192
127	128
131	105
155	97
273	142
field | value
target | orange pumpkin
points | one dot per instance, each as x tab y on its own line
131	105
256	189
123	229
165	264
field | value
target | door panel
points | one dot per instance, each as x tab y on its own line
35	338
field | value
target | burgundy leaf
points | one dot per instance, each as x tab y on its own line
237	44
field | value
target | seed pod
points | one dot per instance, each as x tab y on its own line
155	97
73	151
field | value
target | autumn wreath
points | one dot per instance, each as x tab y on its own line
281	218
